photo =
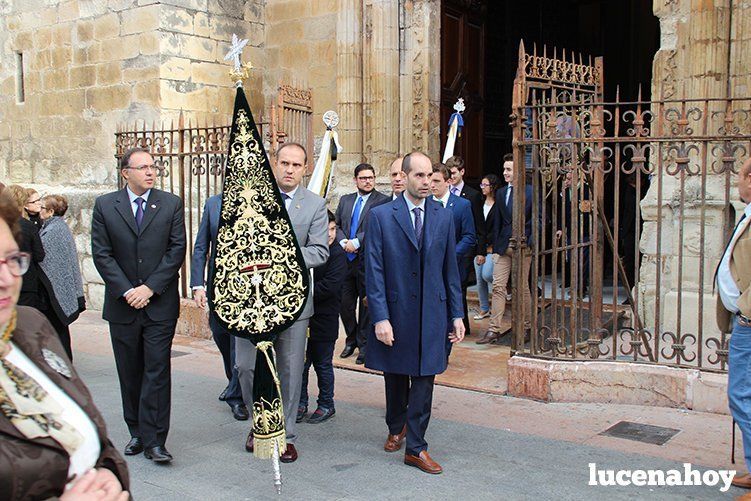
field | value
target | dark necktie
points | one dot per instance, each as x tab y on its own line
285	197
418	225
139	211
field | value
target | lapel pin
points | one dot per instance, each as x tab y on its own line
56	362
153	206
297	206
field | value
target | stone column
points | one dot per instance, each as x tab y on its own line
693	62
381	118
349	87
420	73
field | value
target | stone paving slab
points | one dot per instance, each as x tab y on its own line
343	458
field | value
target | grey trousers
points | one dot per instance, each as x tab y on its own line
290	361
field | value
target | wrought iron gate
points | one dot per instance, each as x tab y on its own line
632	204
192	157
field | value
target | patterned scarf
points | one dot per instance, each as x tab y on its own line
29	407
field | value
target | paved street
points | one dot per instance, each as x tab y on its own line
490	446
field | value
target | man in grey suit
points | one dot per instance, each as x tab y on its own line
307	212
138	245
350	222
204	252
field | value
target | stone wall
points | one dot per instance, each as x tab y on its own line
91	65
704	53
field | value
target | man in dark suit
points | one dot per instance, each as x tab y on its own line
501	234
204	251
396	176
464	227
351	215
414	294
459	188
138	245
324	328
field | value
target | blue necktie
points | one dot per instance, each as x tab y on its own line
353	225
418	225
139	211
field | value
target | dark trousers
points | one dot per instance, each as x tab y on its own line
142	355
466	266
63	331
226	344
320	355
353	292
408	401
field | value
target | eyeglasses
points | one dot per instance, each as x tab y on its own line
366	178
139	168
34	201
17	263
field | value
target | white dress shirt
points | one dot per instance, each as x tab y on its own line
444	200
726	286
85	457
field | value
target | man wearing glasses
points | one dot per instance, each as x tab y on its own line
351	216
138	245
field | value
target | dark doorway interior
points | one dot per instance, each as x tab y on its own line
479	49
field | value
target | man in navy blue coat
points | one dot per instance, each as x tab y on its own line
204	252
414	296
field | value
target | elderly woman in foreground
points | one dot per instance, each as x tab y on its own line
53	442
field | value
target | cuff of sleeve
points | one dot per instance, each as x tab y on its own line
356	243
198	288
128	292
343	242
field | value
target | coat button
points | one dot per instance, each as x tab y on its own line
140	281
140	260
414	273
414	296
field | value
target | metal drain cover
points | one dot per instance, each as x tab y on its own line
175	353
645	433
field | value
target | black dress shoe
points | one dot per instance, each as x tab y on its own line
240	412
360	360
135	446
320	415
347	351
223	394
249	442
158	454
301	411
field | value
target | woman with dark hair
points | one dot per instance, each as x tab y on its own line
31	288
53	441
484	264
61	272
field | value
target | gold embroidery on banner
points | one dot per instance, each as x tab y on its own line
261	279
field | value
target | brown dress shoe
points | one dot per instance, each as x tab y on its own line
742	480
249	442
487	338
424	462
394	442
290	455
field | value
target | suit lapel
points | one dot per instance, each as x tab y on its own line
296	204
401	214
152	207
122	206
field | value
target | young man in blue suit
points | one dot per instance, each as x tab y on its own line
204	252
464	228
414	296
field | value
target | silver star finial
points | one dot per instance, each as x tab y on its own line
238	44
459	106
